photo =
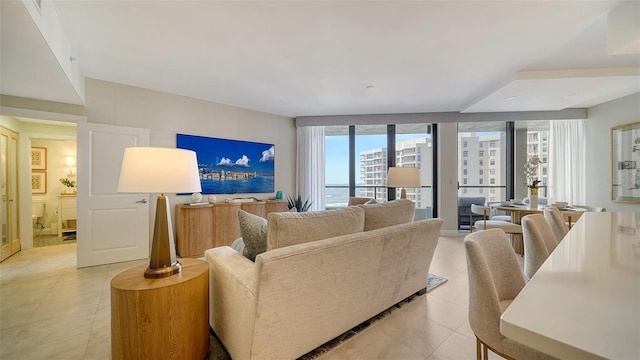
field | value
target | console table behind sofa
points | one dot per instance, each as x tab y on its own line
202	227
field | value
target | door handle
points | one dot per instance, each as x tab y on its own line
143	201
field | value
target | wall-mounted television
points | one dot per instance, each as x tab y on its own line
231	166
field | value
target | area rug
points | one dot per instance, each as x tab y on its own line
218	352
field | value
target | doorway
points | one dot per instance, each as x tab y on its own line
9	218
54	205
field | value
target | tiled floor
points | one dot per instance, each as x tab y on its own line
51	310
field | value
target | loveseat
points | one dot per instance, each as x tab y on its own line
323	273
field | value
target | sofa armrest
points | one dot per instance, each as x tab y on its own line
232	300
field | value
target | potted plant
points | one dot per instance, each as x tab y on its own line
298	203
69	185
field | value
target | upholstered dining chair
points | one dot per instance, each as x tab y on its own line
495	279
487	223
539	242
556	222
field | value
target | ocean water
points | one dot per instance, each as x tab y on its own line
259	184
336	196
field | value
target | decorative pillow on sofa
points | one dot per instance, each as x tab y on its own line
286	228
390	213
254	234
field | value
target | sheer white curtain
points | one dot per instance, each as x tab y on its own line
311	164
567	162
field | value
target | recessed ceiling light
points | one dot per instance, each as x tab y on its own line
511	98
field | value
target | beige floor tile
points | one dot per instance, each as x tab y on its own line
456	290
6	337
17	316
99	346
444	312
67	306
55	329
76	287
73	348
410	326
456	347
465	329
373	343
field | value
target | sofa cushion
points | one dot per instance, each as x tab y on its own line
254	234
288	228
393	212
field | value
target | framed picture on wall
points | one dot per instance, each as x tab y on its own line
38	182
625	163
38	158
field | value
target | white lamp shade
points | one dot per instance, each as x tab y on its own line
403	177
159	170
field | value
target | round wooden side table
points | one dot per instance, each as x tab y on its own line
165	318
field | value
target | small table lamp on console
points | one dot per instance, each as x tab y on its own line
403	177
160	170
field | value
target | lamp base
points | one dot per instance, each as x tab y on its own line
403	193
163	272
163	261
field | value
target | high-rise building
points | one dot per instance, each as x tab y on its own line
409	153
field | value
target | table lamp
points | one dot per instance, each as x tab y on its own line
403	177
160	170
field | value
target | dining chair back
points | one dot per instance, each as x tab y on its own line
556	222
495	279
539	242
486	223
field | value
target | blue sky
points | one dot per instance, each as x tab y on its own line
231	155
337	154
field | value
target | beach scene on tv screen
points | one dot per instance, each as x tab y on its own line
229	166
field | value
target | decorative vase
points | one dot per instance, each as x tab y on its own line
533	197
196	197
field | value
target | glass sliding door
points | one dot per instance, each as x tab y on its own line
414	149
481	166
9	221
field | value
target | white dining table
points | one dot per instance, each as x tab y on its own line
584	301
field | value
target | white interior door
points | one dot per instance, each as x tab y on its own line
112	227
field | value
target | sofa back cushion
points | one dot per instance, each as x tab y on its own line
393	212
290	228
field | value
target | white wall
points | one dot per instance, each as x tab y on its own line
165	115
599	122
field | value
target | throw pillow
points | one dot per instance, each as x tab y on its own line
254	234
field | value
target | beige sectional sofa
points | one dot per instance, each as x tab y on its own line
322	274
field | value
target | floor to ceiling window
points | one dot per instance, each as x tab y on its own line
371	161
413	145
482	160
531	140
336	166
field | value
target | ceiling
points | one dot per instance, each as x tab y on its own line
313	58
